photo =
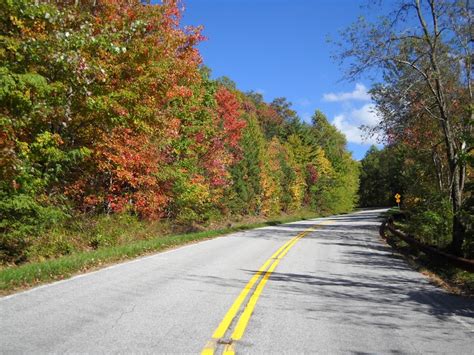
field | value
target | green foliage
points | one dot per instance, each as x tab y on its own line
329	138
192	202
344	191
245	196
23	219
401	169
430	221
381	177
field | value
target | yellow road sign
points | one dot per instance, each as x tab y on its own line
397	196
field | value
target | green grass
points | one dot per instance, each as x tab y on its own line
17	277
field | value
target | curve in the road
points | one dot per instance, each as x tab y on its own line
339	289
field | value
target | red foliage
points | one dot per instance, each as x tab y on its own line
229	111
128	163
172	13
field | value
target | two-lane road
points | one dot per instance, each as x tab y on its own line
327	285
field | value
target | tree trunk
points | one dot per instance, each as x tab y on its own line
456	182
455	191
458	226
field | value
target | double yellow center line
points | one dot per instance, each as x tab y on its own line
267	269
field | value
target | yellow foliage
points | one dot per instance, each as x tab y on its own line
298	185
270	179
297	190
322	163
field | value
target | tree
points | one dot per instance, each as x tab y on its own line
423	54
246	189
328	137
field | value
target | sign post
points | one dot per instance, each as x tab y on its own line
397	199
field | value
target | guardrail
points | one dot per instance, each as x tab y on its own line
462	263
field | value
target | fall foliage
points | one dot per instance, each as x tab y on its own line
106	108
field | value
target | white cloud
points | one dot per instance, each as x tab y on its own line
366	115
349	123
359	93
260	91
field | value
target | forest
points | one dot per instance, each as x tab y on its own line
422	54
109	116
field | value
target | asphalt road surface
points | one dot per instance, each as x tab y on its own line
326	285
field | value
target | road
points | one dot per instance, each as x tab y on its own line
327	285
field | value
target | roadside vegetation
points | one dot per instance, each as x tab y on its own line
114	138
126	237
422	51
451	278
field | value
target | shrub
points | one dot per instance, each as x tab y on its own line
23	219
430	221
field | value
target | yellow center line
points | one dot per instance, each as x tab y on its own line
245	317
239	330
230	315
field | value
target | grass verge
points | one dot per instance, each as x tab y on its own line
452	279
15	278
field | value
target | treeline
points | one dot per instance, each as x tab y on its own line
106	108
422	50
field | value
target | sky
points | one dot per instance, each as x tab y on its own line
279	48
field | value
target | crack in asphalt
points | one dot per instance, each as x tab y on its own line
108	330
122	314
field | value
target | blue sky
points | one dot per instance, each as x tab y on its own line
279	48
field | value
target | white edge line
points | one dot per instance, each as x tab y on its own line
135	260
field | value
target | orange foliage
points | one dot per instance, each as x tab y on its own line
128	163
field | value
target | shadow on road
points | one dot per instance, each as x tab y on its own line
360	282
380	287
